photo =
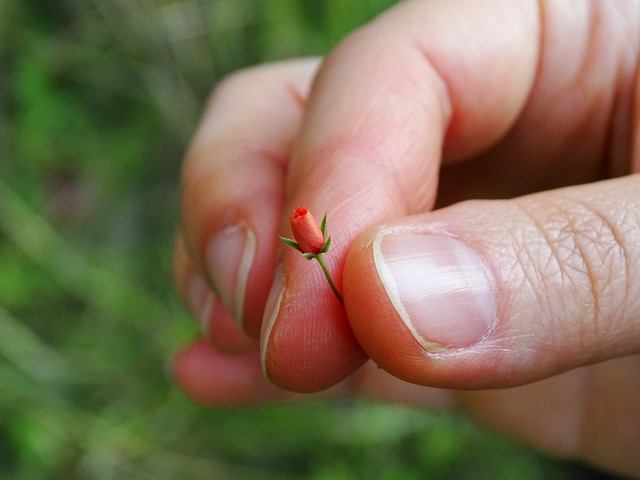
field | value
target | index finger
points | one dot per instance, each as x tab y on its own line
423	79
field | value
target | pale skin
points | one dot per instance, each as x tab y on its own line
534	104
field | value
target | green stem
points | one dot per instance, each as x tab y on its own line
326	274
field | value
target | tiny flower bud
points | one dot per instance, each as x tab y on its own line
311	242
306	231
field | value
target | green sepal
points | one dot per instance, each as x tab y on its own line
310	256
323	225
290	242
326	245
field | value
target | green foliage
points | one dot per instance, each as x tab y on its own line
98	100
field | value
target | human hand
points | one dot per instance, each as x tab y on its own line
525	312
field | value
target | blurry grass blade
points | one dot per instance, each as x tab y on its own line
34	236
102	286
31	355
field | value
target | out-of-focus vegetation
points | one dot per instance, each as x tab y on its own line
98	99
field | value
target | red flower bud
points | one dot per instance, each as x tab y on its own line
306	231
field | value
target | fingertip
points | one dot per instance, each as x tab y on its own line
414	327
214	379
218	326
237	240
307	345
372	317
448	355
223	333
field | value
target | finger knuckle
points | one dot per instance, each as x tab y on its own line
586	261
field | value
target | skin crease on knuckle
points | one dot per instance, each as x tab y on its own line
584	254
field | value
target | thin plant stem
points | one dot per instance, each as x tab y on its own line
326	274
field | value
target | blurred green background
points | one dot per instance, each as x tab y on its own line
98	99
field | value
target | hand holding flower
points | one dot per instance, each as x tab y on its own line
516	291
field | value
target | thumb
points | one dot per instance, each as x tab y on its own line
491	294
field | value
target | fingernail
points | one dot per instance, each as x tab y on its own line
229	259
200	300
438	286
272	308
